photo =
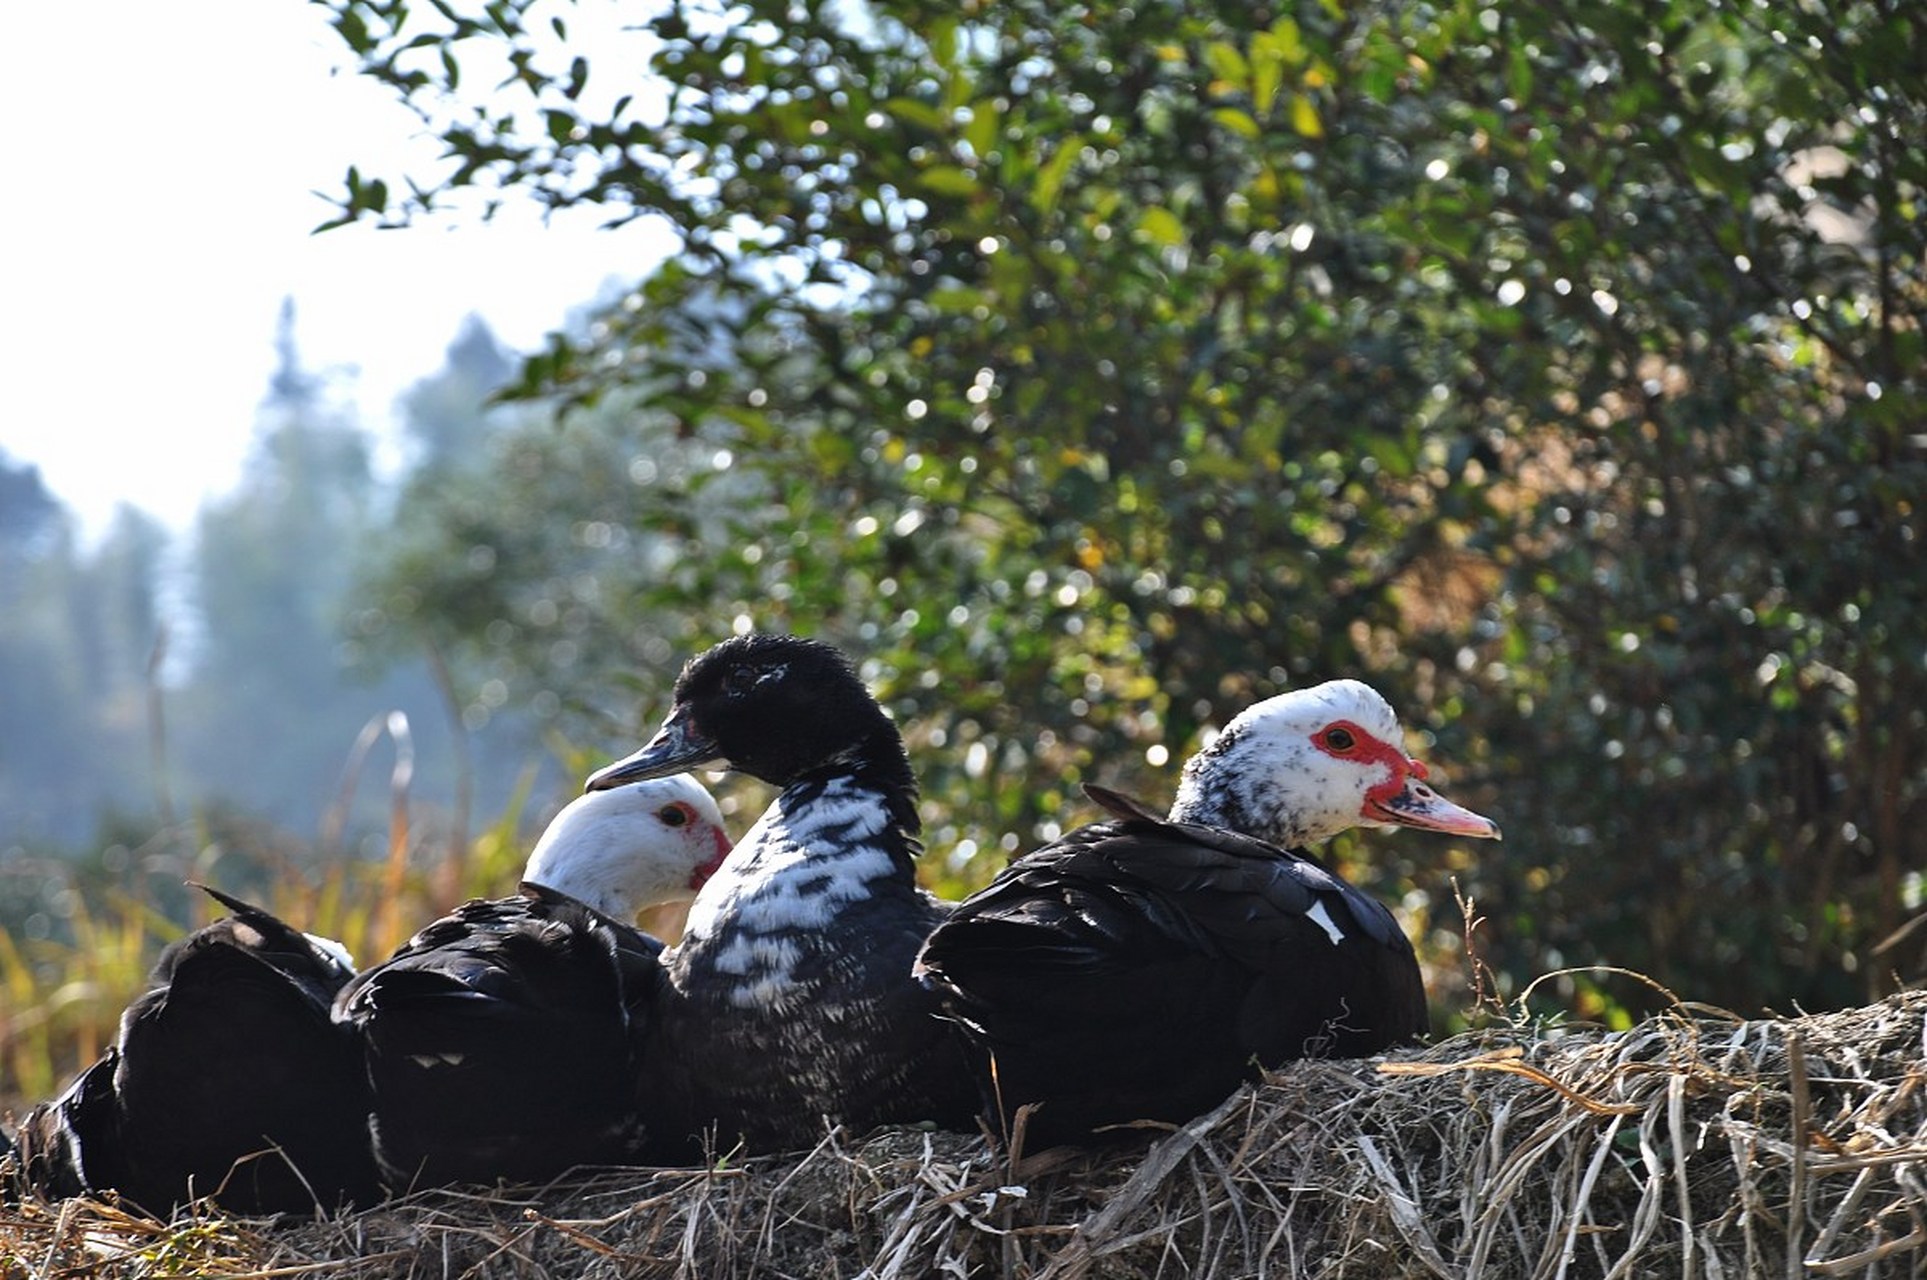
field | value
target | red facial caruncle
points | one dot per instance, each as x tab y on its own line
680	814
1345	740
1401	798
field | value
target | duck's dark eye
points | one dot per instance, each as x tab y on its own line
1339	738
674	815
738	681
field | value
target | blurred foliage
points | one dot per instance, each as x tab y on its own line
144	676
1093	372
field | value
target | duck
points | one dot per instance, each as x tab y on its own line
261	1070
788	1003
1138	970
502	1042
227	1078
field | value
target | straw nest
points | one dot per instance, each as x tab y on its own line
1695	1144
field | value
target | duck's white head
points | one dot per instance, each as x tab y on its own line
637	845
1311	763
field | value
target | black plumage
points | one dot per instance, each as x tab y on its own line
503	1040
789	1000
227	1078
1178	959
502	1037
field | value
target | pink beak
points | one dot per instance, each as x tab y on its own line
1417	805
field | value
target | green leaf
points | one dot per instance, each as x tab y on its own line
981	132
1519	74
1267	73
1287	39
1161	227
1227	63
949	180
1236	121
354	31
955	300
1050	179
921	114
1304	117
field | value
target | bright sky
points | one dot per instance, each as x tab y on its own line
161	163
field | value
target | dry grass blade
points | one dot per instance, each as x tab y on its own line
1507	1060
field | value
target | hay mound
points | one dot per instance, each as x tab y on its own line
1696	1143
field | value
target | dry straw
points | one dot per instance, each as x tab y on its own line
1696	1144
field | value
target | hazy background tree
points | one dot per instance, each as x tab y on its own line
76	630
224	706
272	560
422	605
213	706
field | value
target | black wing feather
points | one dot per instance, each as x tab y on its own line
227	1078
1140	969
503	1041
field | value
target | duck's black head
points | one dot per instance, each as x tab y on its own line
776	707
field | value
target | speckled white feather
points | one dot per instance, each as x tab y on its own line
614	850
1263	776
789	878
783	877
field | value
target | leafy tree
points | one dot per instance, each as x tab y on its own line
1094	373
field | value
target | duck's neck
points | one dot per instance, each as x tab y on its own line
1223	787
833	837
879	765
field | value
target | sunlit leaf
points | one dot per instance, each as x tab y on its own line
921	114
1050	178
1237	121
1161	227
948	179
1304	117
1227	63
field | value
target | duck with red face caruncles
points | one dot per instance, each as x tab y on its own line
789	1001
1141	968
499	1042
505	1040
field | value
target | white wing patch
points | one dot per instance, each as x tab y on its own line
332	949
1323	919
747	953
